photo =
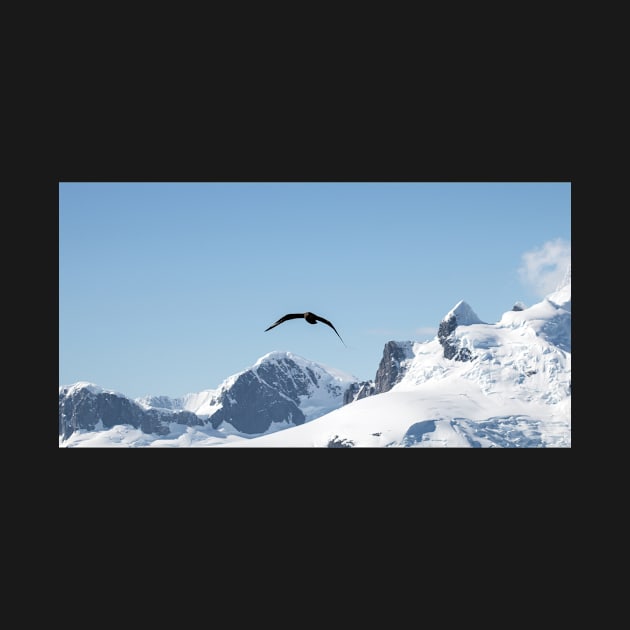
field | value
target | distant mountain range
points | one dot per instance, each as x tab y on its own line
475	384
280	390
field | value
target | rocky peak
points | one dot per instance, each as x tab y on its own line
83	407
463	315
460	315
393	365
357	391
280	387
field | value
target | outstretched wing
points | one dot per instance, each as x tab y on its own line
325	321
284	319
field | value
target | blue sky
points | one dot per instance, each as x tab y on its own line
167	288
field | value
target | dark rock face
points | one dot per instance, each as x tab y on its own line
251	404
450	343
464	354
270	392
390	370
287	376
357	391
446	327
84	409
337	442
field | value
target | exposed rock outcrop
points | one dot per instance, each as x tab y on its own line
460	315
392	366
88	407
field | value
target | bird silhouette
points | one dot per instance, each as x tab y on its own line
311	318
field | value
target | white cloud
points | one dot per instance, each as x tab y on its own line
543	269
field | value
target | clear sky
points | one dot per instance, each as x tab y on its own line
167	288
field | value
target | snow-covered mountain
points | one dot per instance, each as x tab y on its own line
280	390
475	384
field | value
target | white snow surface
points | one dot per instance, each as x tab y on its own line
92	387
464	314
515	392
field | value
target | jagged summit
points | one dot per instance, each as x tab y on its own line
460	315
285	357
85	385
276	355
463	313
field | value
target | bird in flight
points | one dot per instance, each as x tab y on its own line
311	318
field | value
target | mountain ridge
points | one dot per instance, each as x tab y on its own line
280	387
475	384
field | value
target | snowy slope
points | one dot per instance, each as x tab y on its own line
514	392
